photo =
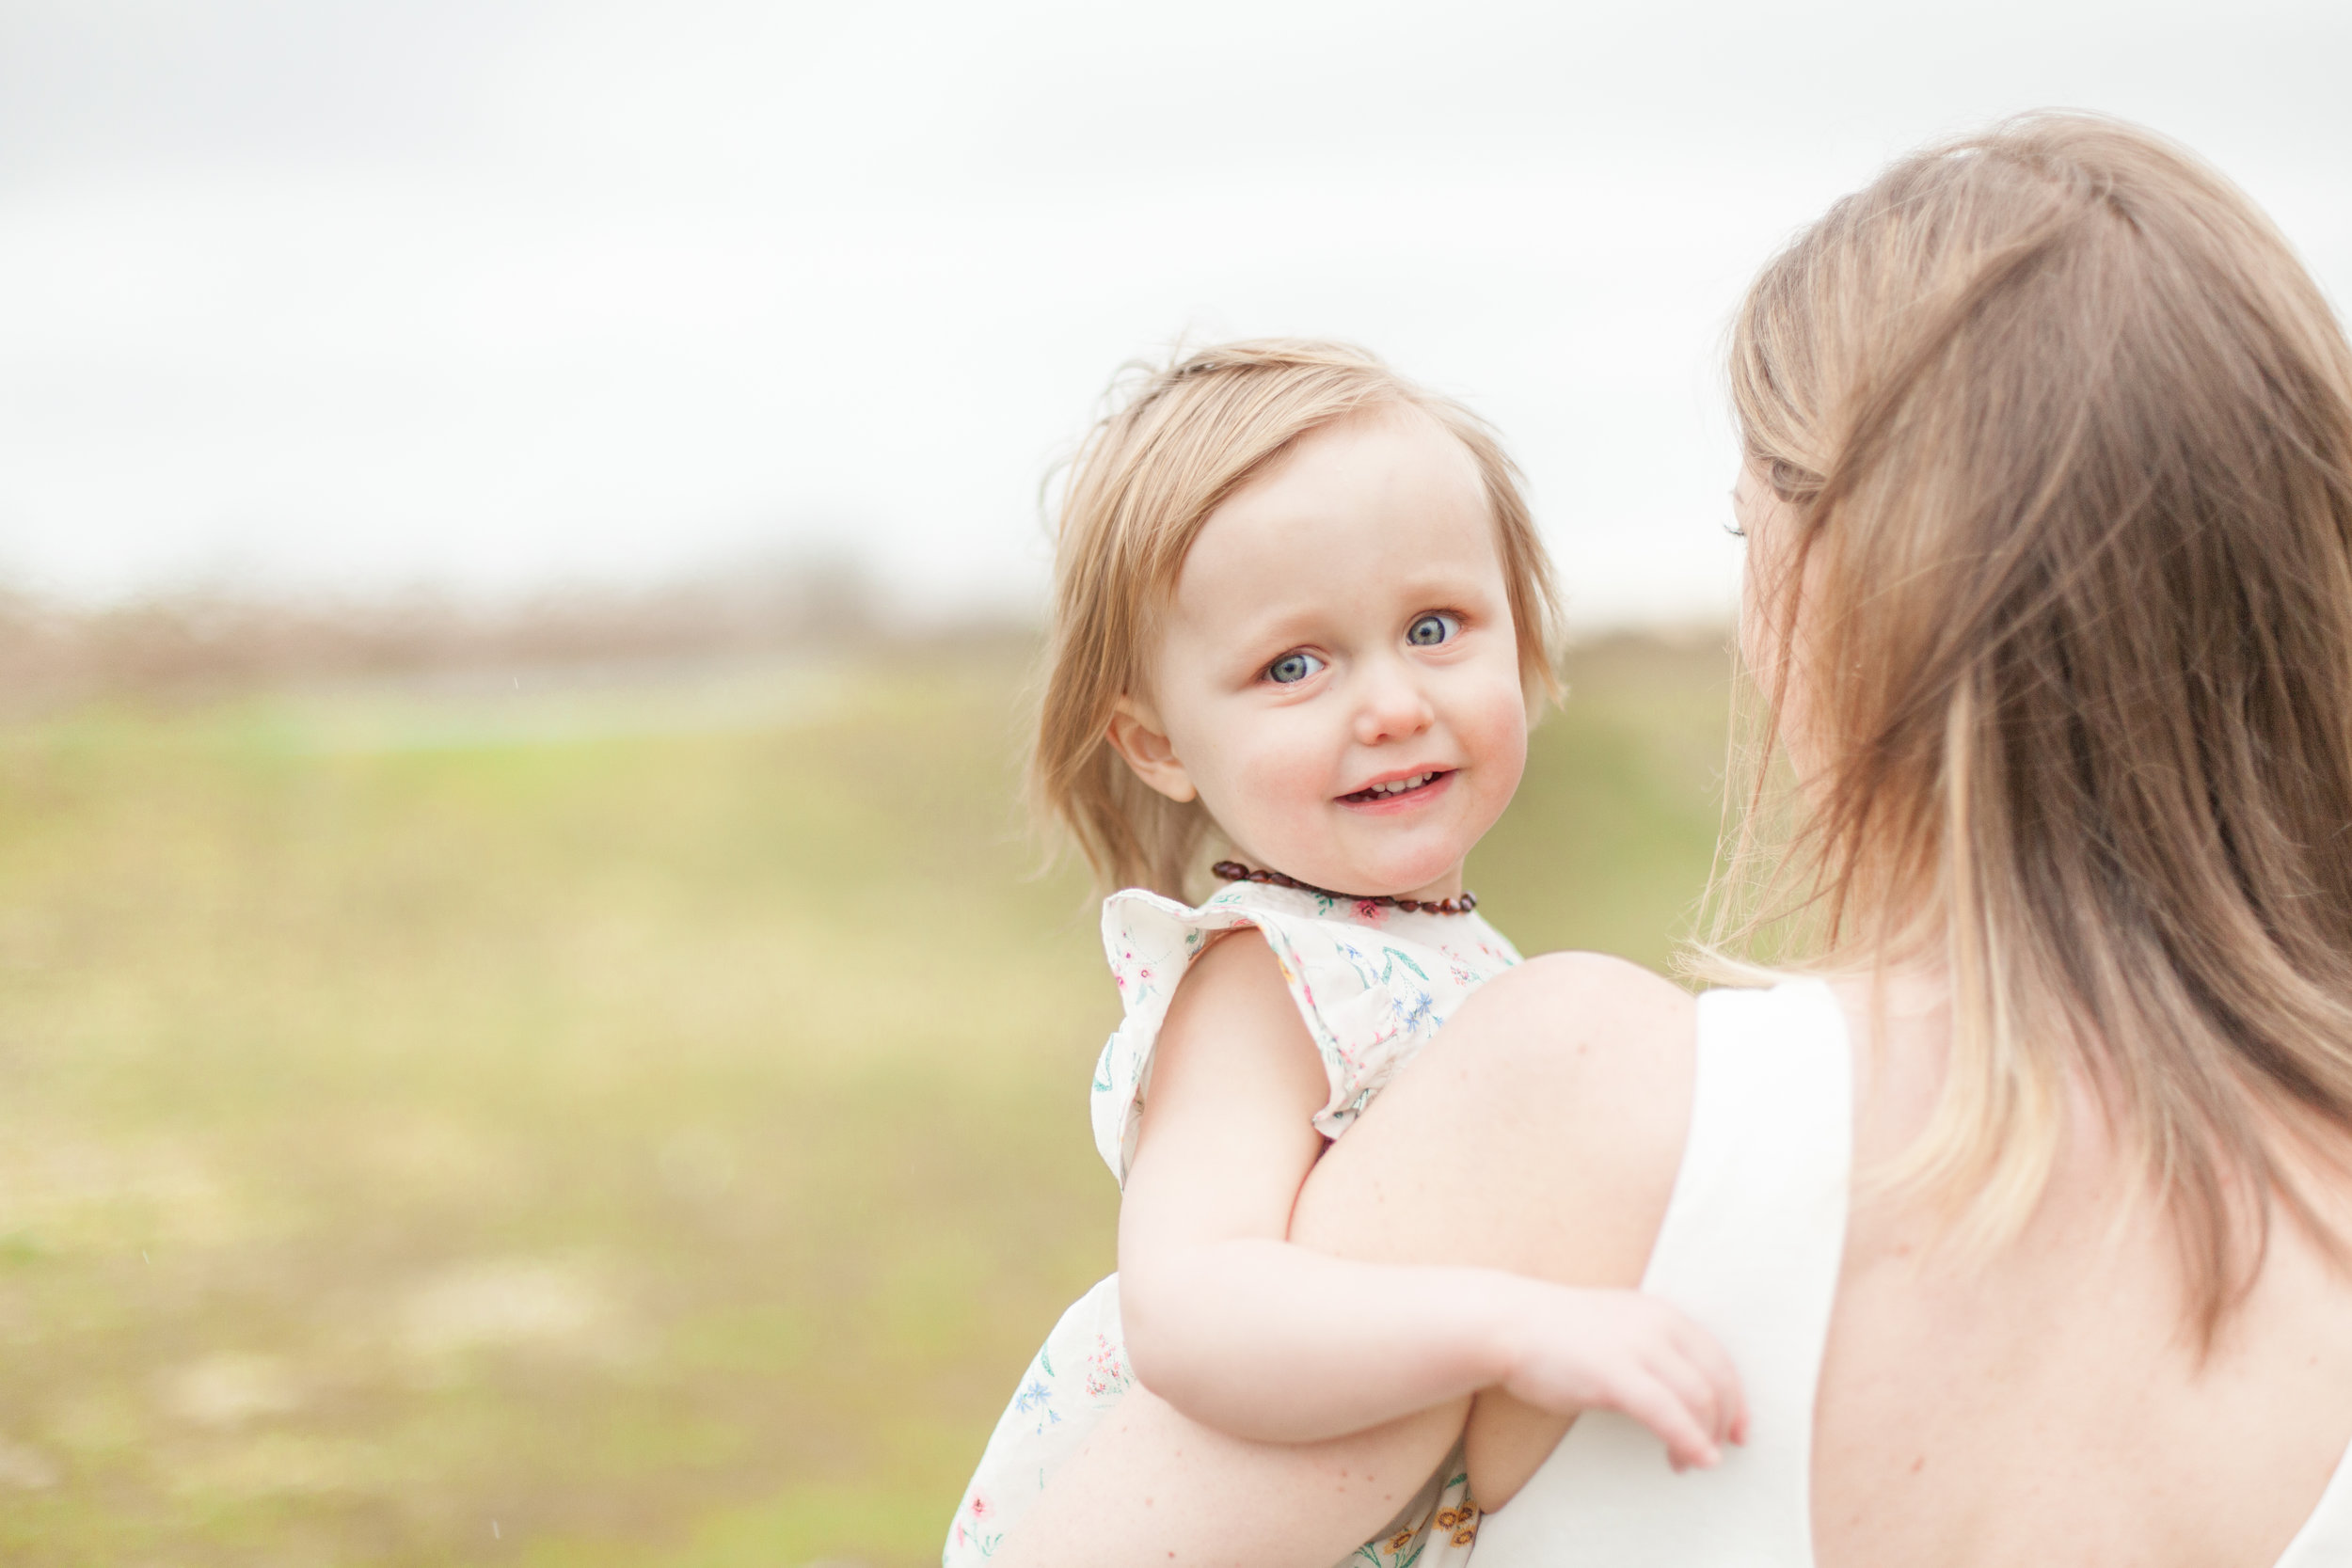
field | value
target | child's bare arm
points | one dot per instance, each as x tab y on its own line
1244	1332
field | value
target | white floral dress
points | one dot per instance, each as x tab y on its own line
1373	984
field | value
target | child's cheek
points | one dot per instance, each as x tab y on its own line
1499	744
1282	782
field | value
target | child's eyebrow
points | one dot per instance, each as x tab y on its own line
1438	591
1282	626
1277	627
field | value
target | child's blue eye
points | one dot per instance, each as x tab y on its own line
1292	668
1431	630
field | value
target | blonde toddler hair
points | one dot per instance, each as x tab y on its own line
1189	436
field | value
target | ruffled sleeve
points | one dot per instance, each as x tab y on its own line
1369	999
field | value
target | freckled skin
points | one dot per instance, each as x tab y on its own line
1337	551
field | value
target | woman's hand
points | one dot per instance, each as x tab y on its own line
1567	1349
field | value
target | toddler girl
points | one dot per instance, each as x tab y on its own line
1301	615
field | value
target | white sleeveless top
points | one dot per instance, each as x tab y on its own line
1750	1249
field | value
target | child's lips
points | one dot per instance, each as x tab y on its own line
1387	800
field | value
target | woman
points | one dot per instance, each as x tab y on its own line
2023	1200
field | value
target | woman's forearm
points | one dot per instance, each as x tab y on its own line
1271	1342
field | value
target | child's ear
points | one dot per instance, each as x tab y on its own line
1134	733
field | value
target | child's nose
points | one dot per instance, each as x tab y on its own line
1394	708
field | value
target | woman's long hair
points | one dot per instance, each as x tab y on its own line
2063	432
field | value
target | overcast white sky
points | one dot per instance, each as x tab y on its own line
498	293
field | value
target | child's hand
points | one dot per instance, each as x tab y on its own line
1571	1350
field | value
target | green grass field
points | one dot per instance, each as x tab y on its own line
595	1123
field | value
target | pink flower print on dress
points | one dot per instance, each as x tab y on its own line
973	1531
1107	1369
1290	976
1370	912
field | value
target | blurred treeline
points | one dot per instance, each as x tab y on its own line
217	637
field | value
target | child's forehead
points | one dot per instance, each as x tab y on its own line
1385	435
1378	484
1365	540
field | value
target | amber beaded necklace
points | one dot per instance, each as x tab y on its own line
1233	871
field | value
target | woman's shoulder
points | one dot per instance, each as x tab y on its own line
1601	984
1546	1119
1540	1131
1569	1083
1591	1030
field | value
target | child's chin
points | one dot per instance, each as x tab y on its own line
1396	865
1403	878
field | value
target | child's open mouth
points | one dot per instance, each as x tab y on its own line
1399	790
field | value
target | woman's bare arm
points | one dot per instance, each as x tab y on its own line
1539	1133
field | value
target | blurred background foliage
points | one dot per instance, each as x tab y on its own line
583	1115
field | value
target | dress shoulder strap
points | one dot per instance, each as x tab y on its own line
2326	1539
1750	1249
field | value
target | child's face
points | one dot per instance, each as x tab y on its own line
1343	624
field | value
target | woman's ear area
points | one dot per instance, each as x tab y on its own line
1136	734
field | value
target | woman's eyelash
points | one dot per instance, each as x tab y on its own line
1735	531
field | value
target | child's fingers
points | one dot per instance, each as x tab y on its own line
1690	1386
1697	1354
1714	1364
1654	1404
